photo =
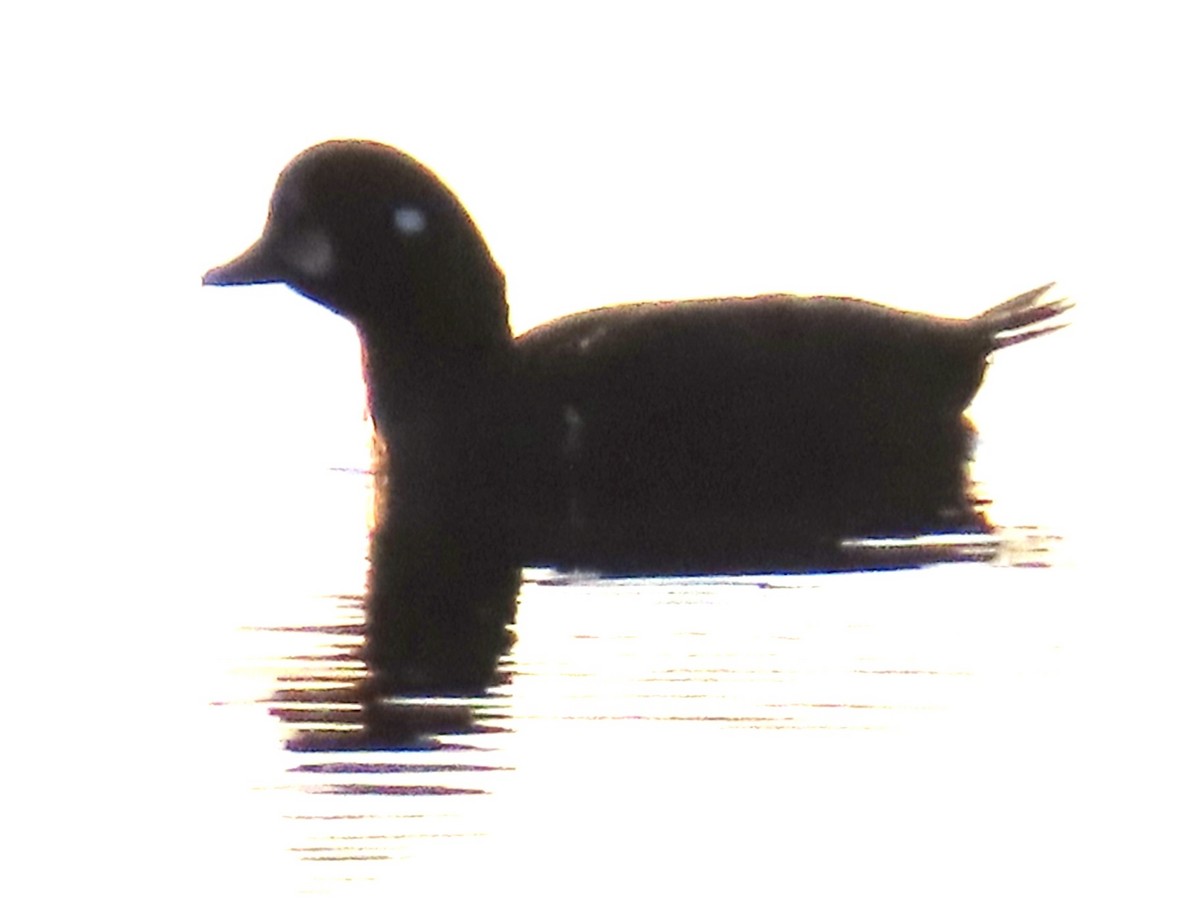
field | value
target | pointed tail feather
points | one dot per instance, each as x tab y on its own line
1008	322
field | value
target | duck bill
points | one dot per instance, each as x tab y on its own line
257	265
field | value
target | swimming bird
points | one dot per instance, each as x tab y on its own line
737	434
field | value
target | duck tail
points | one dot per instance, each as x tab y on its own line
1009	322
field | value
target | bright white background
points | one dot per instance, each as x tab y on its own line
933	156
936	156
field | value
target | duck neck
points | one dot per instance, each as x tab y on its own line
435	410
439	358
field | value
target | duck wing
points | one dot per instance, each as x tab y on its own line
734	424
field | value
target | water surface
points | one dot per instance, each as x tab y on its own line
1013	727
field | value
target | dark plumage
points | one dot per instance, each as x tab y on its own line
711	435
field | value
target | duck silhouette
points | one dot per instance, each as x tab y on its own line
716	435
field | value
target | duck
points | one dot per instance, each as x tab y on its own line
734	434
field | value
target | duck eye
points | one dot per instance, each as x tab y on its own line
408	220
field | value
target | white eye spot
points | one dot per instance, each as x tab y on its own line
408	220
310	253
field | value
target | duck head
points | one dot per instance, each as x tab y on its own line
371	234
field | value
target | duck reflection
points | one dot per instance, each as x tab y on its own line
772	433
343	728
334	700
